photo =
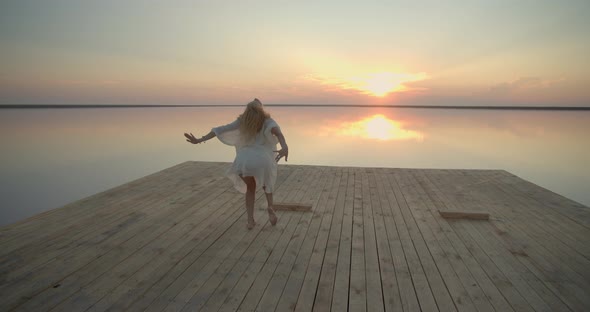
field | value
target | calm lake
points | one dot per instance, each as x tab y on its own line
50	157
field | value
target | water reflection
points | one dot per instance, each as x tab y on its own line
52	157
377	127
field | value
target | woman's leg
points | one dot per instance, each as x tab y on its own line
250	196
272	217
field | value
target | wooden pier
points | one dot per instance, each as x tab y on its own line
374	240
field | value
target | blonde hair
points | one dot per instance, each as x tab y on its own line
252	120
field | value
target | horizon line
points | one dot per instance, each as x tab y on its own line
488	107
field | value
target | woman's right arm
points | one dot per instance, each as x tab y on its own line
213	133
191	138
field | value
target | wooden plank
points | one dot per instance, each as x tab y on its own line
201	297
212	295
292	207
450	250
443	298
185	289
557	245
357	292
392	300
527	285
153	271
167	244
471	215
374	290
309	288
218	297
504	281
275	288
306	262
340	297
415	290
325	286
492	291
283	246
245	278
131	236
569	236
507	284
140	296
155	240
198	268
547	260
443	256
545	290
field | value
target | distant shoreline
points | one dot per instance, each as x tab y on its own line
65	106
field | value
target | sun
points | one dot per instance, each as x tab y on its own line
381	84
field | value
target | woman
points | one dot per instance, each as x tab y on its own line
254	135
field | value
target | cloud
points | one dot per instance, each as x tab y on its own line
522	84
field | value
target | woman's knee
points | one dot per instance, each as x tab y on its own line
250	185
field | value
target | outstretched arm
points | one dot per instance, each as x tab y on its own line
191	138
276	131
231	126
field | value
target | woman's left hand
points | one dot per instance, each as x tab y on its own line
191	138
282	153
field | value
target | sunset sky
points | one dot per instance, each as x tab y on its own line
496	52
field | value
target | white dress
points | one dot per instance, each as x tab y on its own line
254	158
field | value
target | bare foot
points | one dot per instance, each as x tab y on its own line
251	224
272	217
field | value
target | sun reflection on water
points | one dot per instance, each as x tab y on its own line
377	127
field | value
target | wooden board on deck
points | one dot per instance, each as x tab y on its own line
292	206
473	215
